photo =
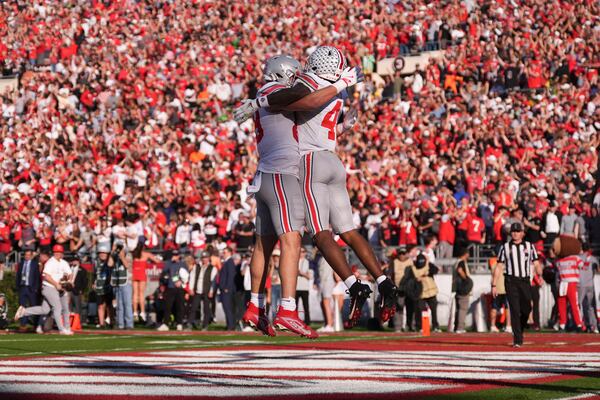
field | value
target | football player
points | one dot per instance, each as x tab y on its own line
322	175
279	208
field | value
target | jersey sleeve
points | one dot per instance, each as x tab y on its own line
501	255
307	81
534	254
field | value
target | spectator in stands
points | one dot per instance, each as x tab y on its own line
462	285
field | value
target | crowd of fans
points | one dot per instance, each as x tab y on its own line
121	124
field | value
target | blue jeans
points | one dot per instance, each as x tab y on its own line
124	295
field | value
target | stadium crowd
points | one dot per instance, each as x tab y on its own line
121	126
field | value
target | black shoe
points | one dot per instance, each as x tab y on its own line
359	293
387	299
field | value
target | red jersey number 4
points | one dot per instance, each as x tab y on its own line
330	120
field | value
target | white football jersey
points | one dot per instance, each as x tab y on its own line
276	138
317	130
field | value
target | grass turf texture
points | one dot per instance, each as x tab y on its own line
18	345
530	391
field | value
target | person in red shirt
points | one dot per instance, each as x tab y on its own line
408	229
475	228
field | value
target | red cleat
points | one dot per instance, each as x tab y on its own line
256	318
288	321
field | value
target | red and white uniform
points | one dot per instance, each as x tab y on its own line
317	130
276	137
322	174
568	270
279	203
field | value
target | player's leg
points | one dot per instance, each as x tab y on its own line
287	215
342	222
315	181
266	239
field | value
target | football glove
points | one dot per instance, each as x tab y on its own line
350	119
350	77
245	110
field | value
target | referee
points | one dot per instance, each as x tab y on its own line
516	257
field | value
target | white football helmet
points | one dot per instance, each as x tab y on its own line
281	69
326	62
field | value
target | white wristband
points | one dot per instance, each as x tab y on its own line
262	102
339	86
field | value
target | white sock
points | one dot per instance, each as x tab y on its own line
381	279
258	299
288	303
349	281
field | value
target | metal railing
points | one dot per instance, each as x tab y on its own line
479	256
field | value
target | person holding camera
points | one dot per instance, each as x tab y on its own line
56	281
101	284
120	281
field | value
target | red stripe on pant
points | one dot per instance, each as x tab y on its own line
313	216
573	301
287	227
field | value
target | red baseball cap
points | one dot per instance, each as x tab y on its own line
57	248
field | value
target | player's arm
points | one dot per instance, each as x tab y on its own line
300	98
283	99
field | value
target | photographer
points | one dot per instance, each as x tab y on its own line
120	280
101	285
56	278
80	281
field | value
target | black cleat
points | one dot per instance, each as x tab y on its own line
387	299
359	293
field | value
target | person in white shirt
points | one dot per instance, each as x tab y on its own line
56	271
303	284
552	225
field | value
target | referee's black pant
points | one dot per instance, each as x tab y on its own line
518	293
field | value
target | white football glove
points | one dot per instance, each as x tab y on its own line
245	110
350	119
350	77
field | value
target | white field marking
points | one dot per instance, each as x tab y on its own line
237	388
37	375
581	396
245	372
220	343
57	337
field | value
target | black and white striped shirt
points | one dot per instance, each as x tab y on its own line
517	258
